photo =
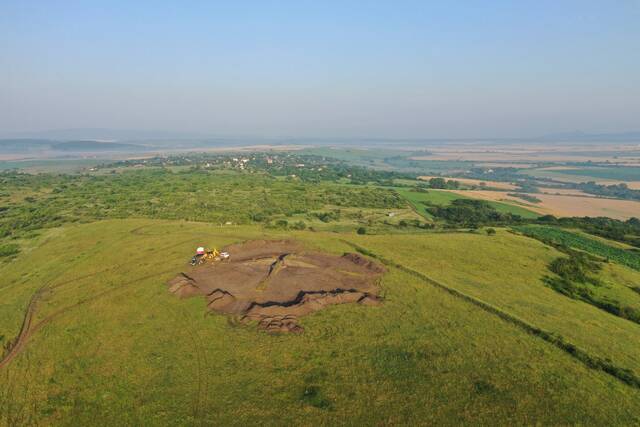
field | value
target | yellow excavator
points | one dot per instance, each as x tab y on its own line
203	256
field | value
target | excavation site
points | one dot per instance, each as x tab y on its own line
276	282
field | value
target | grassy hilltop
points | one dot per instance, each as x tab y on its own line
111	345
490	314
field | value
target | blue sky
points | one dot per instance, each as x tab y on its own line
322	68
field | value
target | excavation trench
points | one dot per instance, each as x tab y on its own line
276	282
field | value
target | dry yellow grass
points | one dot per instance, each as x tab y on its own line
555	172
534	153
506	165
590	206
635	185
468	181
565	205
562	191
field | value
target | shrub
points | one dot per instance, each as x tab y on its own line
282	223
361	230
9	249
300	225
575	268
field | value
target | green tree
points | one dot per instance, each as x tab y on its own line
438	183
300	225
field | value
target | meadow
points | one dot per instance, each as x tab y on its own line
50	165
113	347
507	273
443	198
469	332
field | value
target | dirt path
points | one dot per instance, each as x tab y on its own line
28	328
25	329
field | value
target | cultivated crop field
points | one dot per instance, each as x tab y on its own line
607	176
477	182
563	205
627	257
615	174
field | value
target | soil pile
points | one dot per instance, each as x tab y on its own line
276	282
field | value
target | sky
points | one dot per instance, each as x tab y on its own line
387	69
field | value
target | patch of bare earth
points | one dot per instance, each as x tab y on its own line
277	282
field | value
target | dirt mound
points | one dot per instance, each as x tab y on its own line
276	282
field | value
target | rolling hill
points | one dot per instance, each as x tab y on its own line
107	343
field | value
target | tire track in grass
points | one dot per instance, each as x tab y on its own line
18	342
28	328
202	362
625	375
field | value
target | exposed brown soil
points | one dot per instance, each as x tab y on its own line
276	282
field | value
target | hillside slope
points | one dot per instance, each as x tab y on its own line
109	345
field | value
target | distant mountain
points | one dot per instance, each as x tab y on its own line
579	136
20	145
99	134
96	146
35	147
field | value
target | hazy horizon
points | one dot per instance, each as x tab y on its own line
140	135
400	70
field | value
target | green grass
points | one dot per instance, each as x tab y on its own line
613	173
506	271
435	197
355	155
161	194
444	198
398	160
120	350
442	167
606	175
50	165
596	246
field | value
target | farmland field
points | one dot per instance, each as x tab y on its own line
477	182
579	241
604	176
564	205
616	174
50	166
444	197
